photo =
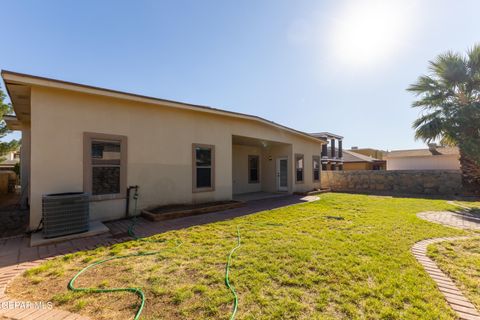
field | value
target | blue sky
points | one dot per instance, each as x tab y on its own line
338	66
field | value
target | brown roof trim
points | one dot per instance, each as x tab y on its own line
364	161
351	156
10	117
6	74
326	135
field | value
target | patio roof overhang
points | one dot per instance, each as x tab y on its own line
255	142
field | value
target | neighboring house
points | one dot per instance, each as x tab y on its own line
175	152
10	160
433	158
8	178
374	153
332	156
357	161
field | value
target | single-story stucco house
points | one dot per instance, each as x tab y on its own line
79	138
433	158
357	161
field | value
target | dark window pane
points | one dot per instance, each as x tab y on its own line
253	162
106	153
105	180
203	156
299	175
316	175
253	168
299	168
204	177
253	175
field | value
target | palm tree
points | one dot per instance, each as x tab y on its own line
449	99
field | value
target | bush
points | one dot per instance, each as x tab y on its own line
16	169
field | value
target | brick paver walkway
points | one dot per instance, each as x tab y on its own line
462	306
16	256
452	219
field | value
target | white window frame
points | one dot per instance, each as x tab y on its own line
194	168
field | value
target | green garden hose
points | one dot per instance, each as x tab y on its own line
227	281
138	291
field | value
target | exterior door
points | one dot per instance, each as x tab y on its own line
282	174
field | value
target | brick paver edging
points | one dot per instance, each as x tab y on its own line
459	303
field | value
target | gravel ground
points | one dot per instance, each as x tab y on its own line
13	221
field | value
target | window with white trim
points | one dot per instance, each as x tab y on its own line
105	161
316	168
299	168
203	167
253	169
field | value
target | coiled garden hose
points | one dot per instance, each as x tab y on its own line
138	291
227	281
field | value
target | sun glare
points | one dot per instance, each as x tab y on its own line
369	31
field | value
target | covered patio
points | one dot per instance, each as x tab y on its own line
260	168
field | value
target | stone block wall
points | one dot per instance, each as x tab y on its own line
427	182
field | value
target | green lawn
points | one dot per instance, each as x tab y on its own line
297	262
461	261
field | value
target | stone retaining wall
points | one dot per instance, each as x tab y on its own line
430	182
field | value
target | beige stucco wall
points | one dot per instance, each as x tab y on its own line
308	150
25	160
439	162
269	167
159	148
240	169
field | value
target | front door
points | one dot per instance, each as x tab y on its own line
282	174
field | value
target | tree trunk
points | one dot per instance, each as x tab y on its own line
470	173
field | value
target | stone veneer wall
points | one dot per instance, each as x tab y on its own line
430	182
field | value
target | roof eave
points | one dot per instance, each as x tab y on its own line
27	79
12	122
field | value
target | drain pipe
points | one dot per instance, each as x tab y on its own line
135	197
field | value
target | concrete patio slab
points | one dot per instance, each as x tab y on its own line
253	196
96	228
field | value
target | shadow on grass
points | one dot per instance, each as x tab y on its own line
391	194
472	214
